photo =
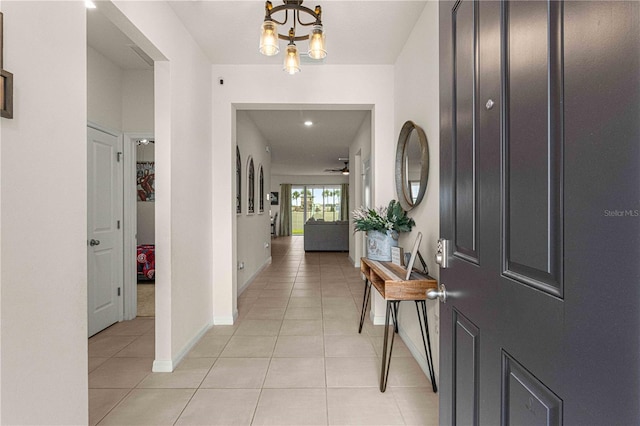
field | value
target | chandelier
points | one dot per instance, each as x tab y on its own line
269	35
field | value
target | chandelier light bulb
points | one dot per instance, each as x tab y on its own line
317	48
269	39
292	60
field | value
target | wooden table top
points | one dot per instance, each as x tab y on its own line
389	279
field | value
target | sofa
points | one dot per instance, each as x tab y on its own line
326	236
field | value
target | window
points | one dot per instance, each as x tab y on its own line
238	181
321	202
251	188
261	207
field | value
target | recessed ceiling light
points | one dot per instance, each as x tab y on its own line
308	123
89	4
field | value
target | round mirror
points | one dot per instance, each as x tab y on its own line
412	165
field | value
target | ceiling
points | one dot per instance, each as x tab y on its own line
358	32
297	149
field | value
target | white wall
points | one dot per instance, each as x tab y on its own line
43	217
104	91
253	229
182	130
244	88
359	151
417	99
137	101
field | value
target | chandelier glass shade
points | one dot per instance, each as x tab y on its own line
292	60
269	39
269	32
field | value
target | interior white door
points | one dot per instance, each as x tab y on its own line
104	230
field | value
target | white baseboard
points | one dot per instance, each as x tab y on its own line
225	319
164	366
376	319
254	276
420	358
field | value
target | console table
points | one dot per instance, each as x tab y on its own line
389	280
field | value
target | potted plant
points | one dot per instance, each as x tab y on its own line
382	226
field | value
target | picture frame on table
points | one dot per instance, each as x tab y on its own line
414	254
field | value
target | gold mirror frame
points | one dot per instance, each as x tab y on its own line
403	188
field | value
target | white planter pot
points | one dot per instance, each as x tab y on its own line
379	245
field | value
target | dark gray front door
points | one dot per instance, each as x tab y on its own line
540	190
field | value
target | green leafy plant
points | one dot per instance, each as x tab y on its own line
391	218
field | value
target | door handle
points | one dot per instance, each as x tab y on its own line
94	242
440	293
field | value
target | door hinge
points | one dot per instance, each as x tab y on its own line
119	156
118	224
118	291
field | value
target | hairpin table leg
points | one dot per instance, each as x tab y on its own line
424	330
365	301
392	310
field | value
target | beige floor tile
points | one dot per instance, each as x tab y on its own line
296	373
120	373
299	346
340	327
249	347
400	349
272	302
95	362
221	330
303	313
227	407
348	346
250	327
263	312
338	302
237	373
105	346
210	346
149	407
291	407
275	292
188	375
244	304
353	372
142	347
419	406
135	327
372	330
301	328
338	312
305	302
362	406
276	285
306	293
101	401
249	293
406	372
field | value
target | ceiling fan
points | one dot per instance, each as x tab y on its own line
344	170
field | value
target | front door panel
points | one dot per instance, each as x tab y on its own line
532	143
539	141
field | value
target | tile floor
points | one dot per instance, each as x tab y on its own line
294	357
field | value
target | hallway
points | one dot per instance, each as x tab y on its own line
294	357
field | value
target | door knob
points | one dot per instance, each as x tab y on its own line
440	293
94	242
